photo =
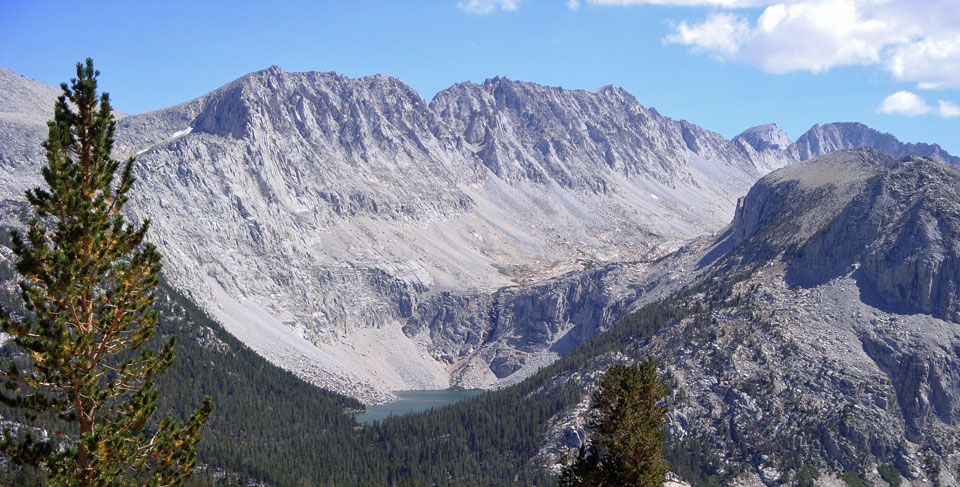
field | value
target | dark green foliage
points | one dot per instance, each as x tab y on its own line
25	476
931	465
854	479
890	474
695	462
87	284
586	469
269	425
627	447
807	475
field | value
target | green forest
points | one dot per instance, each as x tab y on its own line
270	426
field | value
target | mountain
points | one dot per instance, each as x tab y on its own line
370	241
818	333
25	107
315	215
792	353
763	137
526	237
822	139
25	99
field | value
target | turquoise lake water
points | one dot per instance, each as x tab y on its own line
413	401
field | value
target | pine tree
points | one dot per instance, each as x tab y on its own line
88	281
627	446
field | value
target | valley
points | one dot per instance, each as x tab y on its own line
801	297
322	218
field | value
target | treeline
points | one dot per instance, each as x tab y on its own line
269	427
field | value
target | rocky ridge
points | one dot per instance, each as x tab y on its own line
823	139
370	241
820	334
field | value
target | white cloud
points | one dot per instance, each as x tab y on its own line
912	105
915	43
815	36
932	62
722	34
573	4
904	103
947	109
482	7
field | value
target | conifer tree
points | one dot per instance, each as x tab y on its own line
627	445
88	285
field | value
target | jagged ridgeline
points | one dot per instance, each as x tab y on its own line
792	358
369	241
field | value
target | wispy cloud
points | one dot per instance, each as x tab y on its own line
483	7
947	109
721	34
915	43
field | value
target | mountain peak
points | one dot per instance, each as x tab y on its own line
821	139
272	99
767	136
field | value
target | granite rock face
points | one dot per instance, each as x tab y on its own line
25	107
927	385
488	337
583	140
894	222
764	137
820	331
370	241
315	215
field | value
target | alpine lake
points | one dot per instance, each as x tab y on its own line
413	402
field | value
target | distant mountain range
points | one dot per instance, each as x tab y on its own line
370	241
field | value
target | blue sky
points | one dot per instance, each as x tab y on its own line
723	64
